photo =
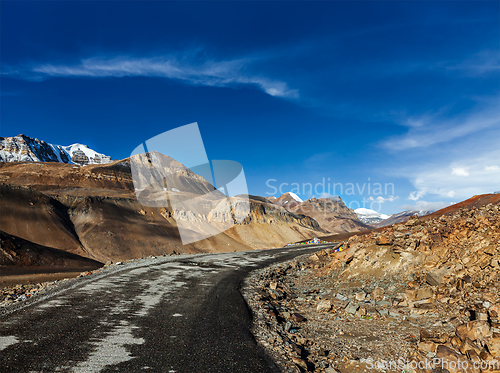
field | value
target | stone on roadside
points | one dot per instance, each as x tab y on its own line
385	240
473	330
494	311
481	316
314	257
297	317
351	308
360	296
340	297
299	362
427	346
384	312
455	362
434	278
494	346
419	294
331	370
324	306
377	293
361	312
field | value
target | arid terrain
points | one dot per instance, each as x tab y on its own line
417	291
92	212
424	289
430	284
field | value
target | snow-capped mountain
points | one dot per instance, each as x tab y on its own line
402	217
22	148
368	216
295	197
288	198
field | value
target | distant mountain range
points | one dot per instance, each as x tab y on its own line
335	217
22	148
368	216
377	220
331	213
401	217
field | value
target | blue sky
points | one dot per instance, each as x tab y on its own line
397	93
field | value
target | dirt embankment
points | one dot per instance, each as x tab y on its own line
427	290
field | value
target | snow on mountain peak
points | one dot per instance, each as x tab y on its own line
369	212
295	197
369	216
22	148
413	212
91	154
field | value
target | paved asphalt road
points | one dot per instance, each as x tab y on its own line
170	314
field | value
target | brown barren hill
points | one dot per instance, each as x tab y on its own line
331	213
15	251
474	202
92	211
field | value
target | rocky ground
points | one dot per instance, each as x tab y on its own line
422	296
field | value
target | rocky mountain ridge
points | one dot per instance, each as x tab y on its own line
22	148
401	217
331	213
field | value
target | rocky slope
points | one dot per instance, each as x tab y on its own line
19	252
22	148
92	211
422	290
331	213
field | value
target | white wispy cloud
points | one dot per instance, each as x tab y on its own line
416	195
460	179
481	63
426	206
427	131
381	199
459	171
186	68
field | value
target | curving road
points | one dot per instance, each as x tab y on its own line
170	314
